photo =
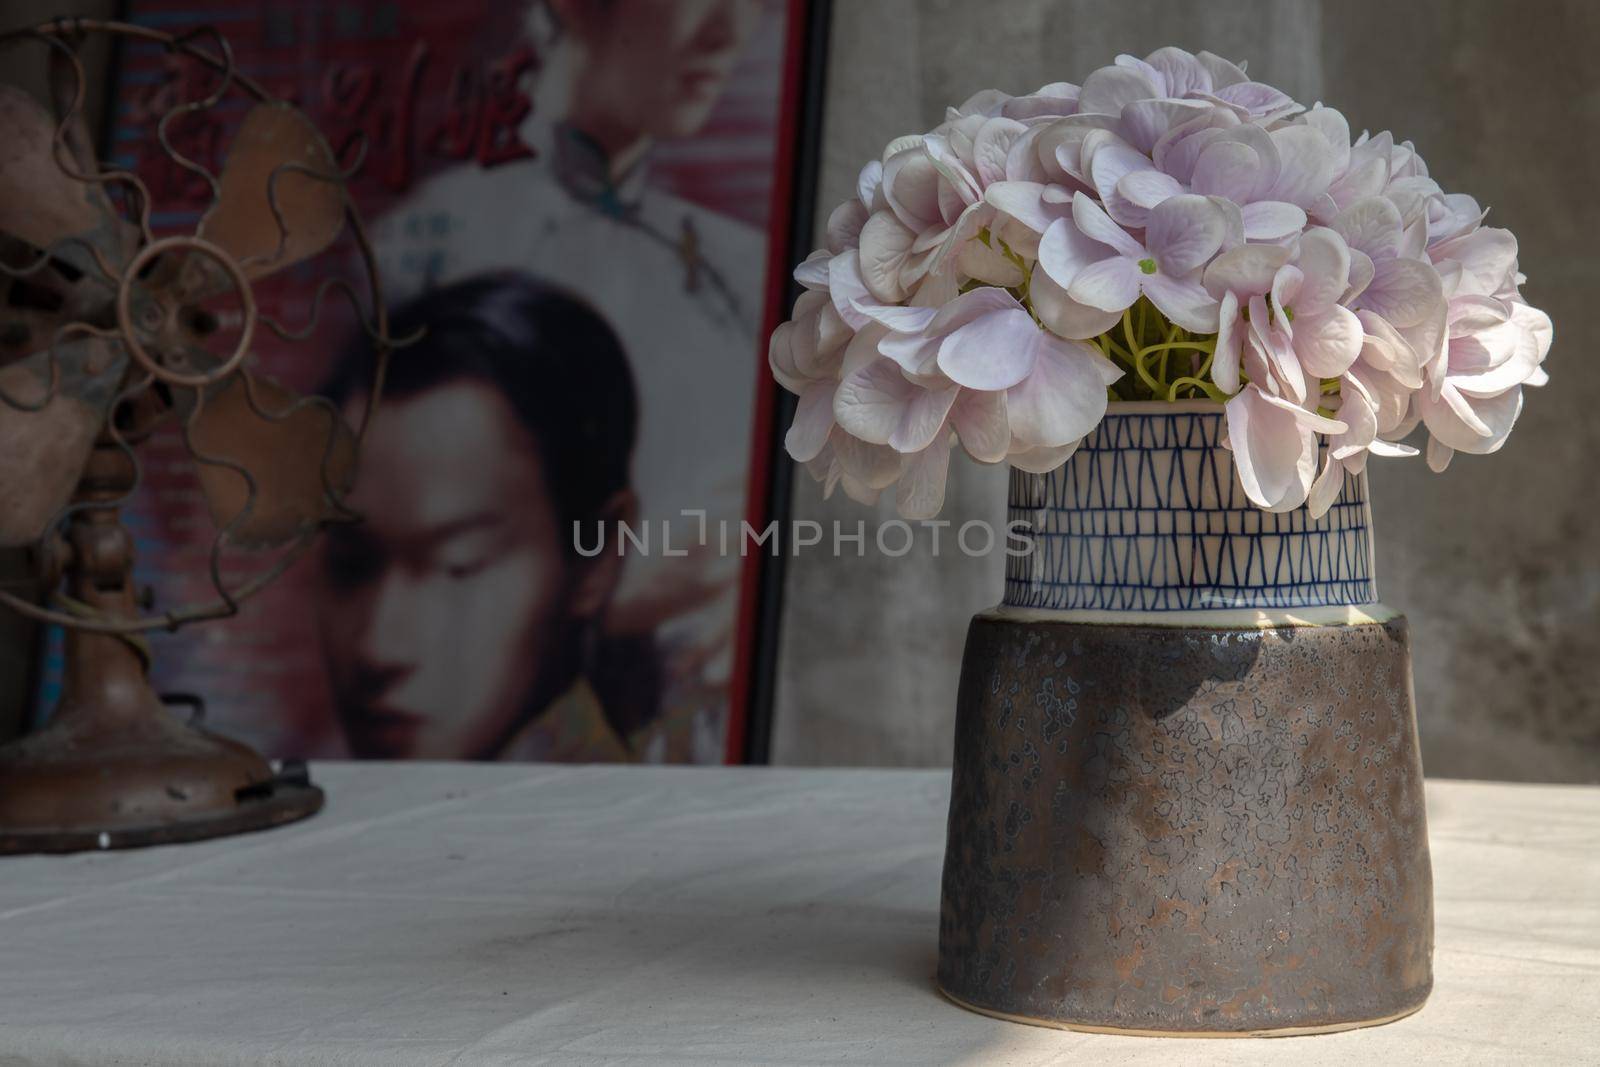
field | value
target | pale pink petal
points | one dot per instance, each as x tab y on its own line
1184	233
1060	145
1040	460
1272	220
961	181
992	145
885	247
1538	325
780	357
878	405
862	349
1147	188
1439	455
920	493
1386	350
1361	271
905	319
1307	162
1371	225
1492	361
869	185
813	421
1024	201
1404	291
1232	222
986	263
1064	316
1258	99
1286	286
916	354
1427	339
1275	350
1487	256
1182	300
964	229
847	288
1065	395
844	226
1110	161
971	305
911	187
1110	285
981	422
1145	121
1227	168
871	402
1274	453
872	466
1106	90
1478	425
1390	398
861	493
1247	270
1183	72
1096	225
1064	250
994	351
1055	99
1358	412
1324	259
1325	490
924	418
813	272
1336	129
1022	160
1223	72
1230	337
1390	450
1157	79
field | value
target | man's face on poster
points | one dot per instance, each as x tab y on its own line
658	66
443	605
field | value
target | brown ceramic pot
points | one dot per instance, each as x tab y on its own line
1187	796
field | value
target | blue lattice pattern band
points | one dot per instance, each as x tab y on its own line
1149	515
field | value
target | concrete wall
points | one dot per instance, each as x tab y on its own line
1497	562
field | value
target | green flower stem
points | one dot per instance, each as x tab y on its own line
1198	346
1211	391
1139	354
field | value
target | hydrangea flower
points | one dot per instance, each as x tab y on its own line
1170	230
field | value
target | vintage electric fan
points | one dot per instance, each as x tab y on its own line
109	334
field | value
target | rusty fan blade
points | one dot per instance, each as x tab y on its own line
42	453
39	202
276	139
38	299
286	454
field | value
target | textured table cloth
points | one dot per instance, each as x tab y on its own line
449	914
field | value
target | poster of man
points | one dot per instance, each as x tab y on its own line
573	209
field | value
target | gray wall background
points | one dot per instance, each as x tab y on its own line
1497	561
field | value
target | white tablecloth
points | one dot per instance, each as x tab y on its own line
440	914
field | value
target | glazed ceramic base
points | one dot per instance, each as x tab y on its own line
1084	1028
1187	830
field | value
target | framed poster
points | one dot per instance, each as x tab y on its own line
582	214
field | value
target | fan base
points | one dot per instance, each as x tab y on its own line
76	786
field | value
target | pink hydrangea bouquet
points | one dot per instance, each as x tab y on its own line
1170	230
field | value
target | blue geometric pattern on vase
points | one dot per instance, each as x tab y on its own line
1148	515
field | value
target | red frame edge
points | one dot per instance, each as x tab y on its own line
779	215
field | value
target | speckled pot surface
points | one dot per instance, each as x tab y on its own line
1187	830
1204	821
